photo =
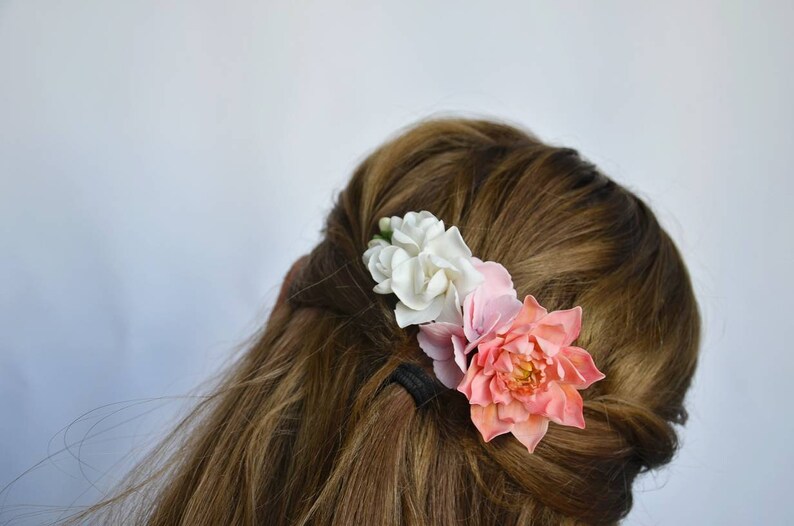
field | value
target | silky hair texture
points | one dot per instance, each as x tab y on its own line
305	429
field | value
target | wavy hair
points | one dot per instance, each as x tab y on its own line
305	430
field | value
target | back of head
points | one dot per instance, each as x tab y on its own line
306	430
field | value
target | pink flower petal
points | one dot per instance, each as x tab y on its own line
488	423
497	279
472	306
531	431
448	373
435	339
508	308
459	351
484	307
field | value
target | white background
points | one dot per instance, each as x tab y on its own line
162	163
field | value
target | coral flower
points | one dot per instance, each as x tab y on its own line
526	373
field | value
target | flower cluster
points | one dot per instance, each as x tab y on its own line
428	268
513	360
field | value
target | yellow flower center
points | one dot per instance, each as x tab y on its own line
527	375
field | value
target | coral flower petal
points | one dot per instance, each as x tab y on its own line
481	390
550	347
563	404
499	393
488	422
514	412
476	386
530	313
530	431
519	346
573	415
570	322
584	364
503	363
568	373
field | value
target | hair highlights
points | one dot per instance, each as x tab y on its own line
303	431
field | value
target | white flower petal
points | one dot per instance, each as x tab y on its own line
449	245
371	259
378	242
433	229
394	256
374	249
376	271
416	233
451	311
383	287
403	284
421	275
403	240
395	223
407	316
428	268
469	279
440	262
437	285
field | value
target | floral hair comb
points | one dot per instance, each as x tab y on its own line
513	360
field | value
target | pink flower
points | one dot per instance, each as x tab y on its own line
487	308
526	373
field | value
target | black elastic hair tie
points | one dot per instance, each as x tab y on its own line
420	385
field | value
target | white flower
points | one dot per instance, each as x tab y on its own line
428	268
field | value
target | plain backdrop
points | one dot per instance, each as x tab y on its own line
162	163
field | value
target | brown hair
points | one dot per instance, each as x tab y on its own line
305	430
